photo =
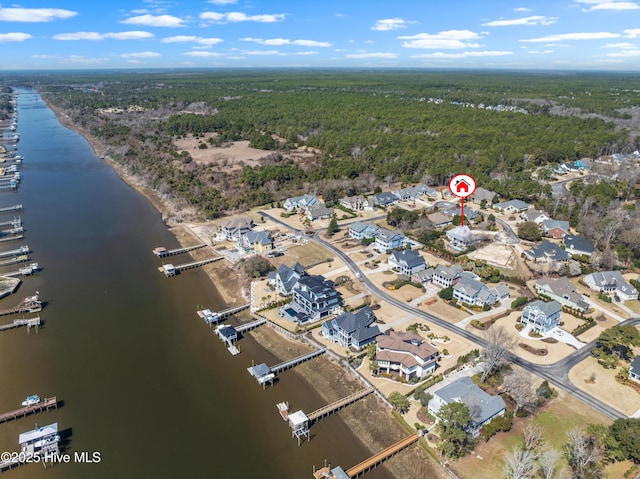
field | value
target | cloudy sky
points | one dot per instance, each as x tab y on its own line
510	34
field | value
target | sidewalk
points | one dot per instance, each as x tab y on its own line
465	322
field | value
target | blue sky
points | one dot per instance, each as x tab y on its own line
529	34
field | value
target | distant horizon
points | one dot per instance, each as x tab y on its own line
547	35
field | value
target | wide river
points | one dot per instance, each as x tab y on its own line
143	381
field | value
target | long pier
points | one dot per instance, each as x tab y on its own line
11	238
11	209
15	222
30	304
15	252
367	465
339	404
46	405
265	374
26	271
29	323
210	317
171	270
18	259
162	252
249	326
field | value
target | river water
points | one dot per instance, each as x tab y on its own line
143	381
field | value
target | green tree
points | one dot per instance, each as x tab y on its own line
453	421
446	293
615	344
530	231
626	433
399	401
333	226
257	266
371	351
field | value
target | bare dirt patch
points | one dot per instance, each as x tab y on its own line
496	254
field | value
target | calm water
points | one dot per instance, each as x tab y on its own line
143	380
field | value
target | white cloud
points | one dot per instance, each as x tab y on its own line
631	32
451	39
155	21
625	53
207	42
372	55
14	37
203	54
223	2
285	41
261	52
620	45
389	24
235	17
133	35
34	15
464	54
540	52
534	20
306	53
561	37
79	59
609	5
521	10
140	55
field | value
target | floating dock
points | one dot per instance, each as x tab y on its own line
46	405
171	270
210	317
29	323
367	465
162	252
265	374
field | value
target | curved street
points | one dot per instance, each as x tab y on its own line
557	373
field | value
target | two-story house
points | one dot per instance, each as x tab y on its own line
360	230
407	261
388	240
314	298
473	292
234	228
541	316
546	252
406	353
285	278
445	276
562	291
352	329
384	199
611	282
461	237
304	202
257	241
357	203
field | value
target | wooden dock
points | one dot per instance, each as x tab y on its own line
26	271
15	252
337	405
11	238
171	270
283	366
162	252
210	317
15	222
11	209
30	304
46	405
17	323
249	326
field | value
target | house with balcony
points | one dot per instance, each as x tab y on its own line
576	244
445	276
482	406
360	230
405	353
285	278
546	252
462	238
388	240
611	282
352	329
304	202
234	228
314	298
407	261
562	291
257	241
541	316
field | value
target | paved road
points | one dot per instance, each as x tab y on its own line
557	373
512	238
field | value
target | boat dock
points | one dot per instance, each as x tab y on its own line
18	259
15	252
11	238
29	323
30	304
265	374
213	317
339	404
367	465
46	405
229	334
171	270
26	271
162	252
15	222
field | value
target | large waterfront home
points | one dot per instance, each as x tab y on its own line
611	282
407	261
352	329
541	316
562	291
234	228
314	298
387	240
360	230
406	353
547	251
304	202
257	241
482	406
285	278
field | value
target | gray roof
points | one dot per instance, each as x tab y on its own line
482	406
549	250
259	237
502	290
551	224
516	204
469	286
351	322
469	213
318	210
549	309
461	233
449	272
635	365
409	257
384	198
483	194
613	278
578	243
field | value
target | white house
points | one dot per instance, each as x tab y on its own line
634	370
360	230
388	240
541	316
407	353
407	261
611	282
461	237
304	202
445	276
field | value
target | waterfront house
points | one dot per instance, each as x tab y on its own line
352	329
575	244
562	291
407	261
388	240
439	219
547	251
537	216
356	203
445	276
406	353
512	206
360	230
384	199
319	211
611	282
461	238
555	228
474	292
285	278
304	202
234	228
314	298
257	241
634	370
482	406
541	316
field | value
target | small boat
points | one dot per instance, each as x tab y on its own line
283	409
31	400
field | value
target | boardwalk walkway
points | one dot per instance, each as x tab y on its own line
383	455
339	404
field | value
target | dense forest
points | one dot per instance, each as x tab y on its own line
365	129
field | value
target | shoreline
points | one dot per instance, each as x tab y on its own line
375	435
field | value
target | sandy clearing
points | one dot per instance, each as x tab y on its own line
496	254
